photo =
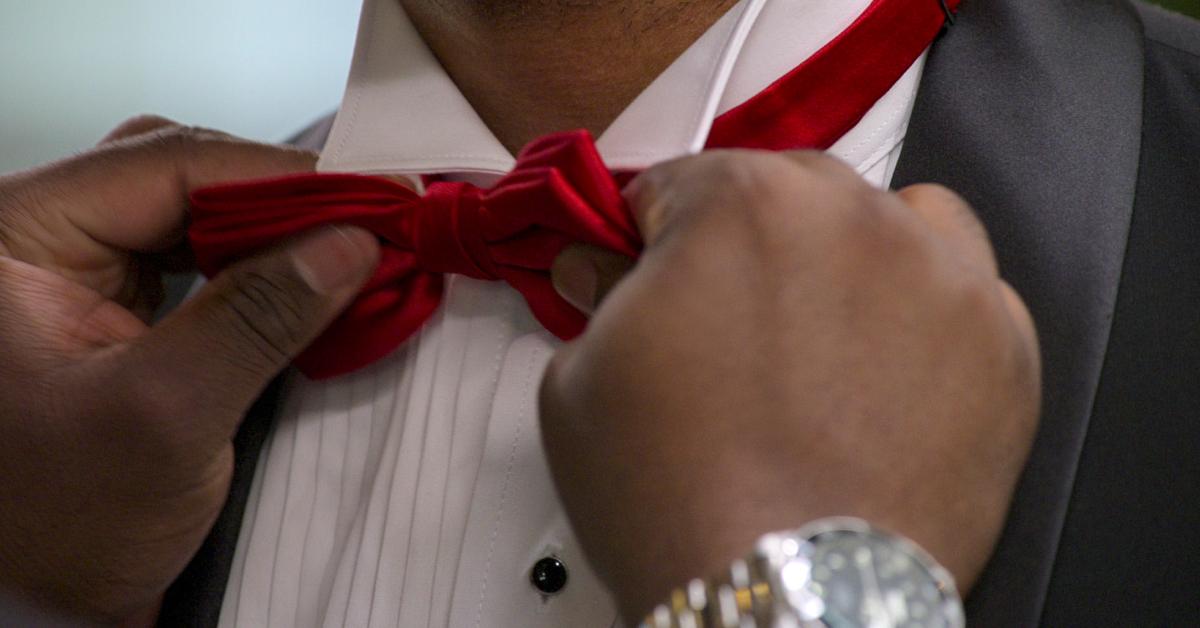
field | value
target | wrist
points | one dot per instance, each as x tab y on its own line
646	561
682	540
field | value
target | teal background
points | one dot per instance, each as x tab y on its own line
70	70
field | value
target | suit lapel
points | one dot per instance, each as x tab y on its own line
1032	111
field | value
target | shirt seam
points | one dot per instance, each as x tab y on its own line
356	96
512	459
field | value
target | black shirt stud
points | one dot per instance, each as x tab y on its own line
549	575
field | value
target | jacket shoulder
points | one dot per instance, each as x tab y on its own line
314	136
1171	29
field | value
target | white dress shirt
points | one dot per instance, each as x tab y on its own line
415	492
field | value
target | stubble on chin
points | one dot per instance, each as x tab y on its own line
512	9
509	14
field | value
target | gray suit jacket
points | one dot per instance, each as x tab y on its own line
1073	127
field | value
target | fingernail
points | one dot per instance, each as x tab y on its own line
335	258
575	279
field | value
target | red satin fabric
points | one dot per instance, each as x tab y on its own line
818	102
559	193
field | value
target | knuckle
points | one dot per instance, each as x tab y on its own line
267	310
173	141
1017	363
934	198
979	304
138	126
963	210
755	188
868	231
192	134
823	165
1028	357
177	138
146	121
736	182
974	229
748	176
980	300
718	188
782	200
931	193
651	180
185	141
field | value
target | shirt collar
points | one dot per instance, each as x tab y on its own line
403	114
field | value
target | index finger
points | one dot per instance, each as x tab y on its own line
746	183
132	193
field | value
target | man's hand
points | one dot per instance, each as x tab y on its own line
115	437
793	344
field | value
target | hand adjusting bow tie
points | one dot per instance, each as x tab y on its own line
559	193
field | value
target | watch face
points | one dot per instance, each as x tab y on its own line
875	581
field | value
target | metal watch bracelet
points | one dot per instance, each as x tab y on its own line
741	597
777	586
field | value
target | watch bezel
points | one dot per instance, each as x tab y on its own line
807	538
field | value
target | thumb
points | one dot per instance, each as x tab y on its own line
218	351
584	275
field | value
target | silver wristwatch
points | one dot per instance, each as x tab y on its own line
839	572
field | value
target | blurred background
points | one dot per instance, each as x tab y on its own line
1190	7
70	70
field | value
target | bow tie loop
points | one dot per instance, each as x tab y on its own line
565	173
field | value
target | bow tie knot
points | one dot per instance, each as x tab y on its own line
558	194
447	233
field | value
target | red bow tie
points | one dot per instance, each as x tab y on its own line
559	193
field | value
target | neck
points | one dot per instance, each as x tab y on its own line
531	67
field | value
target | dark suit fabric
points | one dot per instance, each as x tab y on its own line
1130	548
1073	128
